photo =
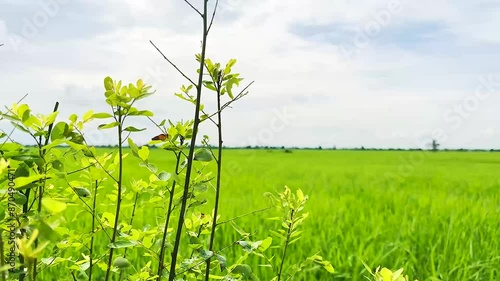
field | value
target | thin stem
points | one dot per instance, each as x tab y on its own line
31	270
237	97
49	131
177	242
89	209
287	241
197	236
190	5
119	197
161	262
42	182
213	16
216	253
130	231
244	215
219	174
172	64
91	250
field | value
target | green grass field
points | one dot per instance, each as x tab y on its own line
440	222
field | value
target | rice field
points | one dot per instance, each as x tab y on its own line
437	215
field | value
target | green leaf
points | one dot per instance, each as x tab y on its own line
200	187
205	254
122	244
203	155
25	157
24	181
23	111
230	64
266	243
141	113
73	117
87	116
239	229
134	147
222	262
81	275
140	84
53	144
133	129
246	271
133	91
108	83
209	85
20	127
144	153
58	165
53	206
51	118
164	176
22	171
82	192
102	115
58	131
19	198
108	126
121	263
152	167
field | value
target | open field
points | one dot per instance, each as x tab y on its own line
440	222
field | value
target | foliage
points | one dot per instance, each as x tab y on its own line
64	180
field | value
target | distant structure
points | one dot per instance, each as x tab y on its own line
435	145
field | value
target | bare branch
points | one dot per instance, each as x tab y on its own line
244	215
213	16
239	96
190	5
171	63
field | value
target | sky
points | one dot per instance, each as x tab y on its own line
372	73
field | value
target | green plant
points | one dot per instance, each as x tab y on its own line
384	274
65	172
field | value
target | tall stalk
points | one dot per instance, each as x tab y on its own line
161	261
287	242
217	189
136	198
91	249
41	186
119	197
187	181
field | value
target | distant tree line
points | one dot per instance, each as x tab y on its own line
362	148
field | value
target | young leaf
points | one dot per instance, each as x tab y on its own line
52	205
222	262
203	155
122	244
144	153
108	126
133	129
102	115
108	83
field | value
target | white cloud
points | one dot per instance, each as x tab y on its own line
384	91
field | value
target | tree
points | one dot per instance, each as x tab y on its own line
435	145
